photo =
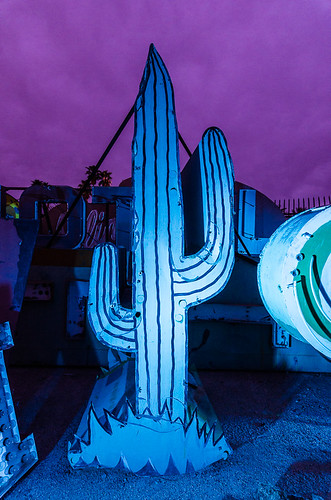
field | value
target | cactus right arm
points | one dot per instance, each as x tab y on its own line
200	276
113	325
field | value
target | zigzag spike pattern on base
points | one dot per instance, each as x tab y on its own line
175	447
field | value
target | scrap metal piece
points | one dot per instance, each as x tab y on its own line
16	456
280	337
77	295
122	196
37	196
247	239
294	277
38	291
17	241
232	313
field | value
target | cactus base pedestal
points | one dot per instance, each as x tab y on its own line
112	435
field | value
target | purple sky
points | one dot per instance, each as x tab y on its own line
259	70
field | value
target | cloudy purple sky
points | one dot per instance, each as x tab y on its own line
259	70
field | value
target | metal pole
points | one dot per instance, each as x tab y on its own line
242	242
185	146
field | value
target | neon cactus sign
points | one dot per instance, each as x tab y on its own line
166	282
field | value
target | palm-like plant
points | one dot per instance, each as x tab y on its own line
87	191
101	177
37	182
104	178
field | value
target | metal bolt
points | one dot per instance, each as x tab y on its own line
13	469
23	446
10	456
26	458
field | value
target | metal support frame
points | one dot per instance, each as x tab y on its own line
16	456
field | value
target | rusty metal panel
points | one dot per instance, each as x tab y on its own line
232	313
77	294
38	291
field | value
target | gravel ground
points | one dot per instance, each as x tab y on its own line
278	425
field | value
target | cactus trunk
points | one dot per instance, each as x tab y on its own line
161	340
165	281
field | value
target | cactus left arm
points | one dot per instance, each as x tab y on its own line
113	324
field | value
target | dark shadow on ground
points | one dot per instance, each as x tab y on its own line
46	401
308	476
254	400
277	424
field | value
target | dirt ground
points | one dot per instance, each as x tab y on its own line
278	425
